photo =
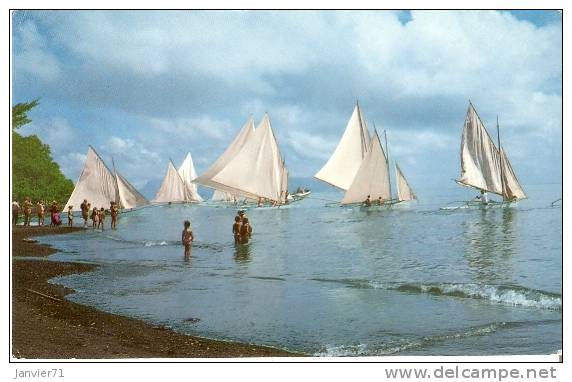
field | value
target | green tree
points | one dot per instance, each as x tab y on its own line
19	113
34	173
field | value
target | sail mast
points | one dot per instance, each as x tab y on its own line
117	195
387	161
500	161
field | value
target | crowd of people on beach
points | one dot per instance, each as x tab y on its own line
97	215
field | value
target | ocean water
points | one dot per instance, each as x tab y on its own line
332	281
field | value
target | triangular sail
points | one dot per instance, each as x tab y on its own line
480	164
236	145
404	191
341	168
512	188
483	165
256	170
188	174
372	177
173	189
96	184
129	197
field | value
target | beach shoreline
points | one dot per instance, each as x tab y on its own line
45	325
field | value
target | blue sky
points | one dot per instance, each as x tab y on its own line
144	87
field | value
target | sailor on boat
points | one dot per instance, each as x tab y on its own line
483	197
367	202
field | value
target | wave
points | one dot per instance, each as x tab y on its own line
160	243
393	347
513	295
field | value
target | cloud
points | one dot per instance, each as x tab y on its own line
187	80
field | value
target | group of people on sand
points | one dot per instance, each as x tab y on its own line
97	215
241	231
26	210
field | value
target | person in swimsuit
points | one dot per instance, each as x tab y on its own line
114	209
94	214
15	211
245	231
101	218
187	238
41	212
27	211
236	229
84	211
70	216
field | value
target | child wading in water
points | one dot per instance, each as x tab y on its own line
101	218
187	238
236	229
94	214
70	216
114	209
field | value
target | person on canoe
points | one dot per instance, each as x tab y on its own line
367	201
483	197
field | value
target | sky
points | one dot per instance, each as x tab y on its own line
143	87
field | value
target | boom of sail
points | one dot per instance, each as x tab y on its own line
100	186
341	168
483	165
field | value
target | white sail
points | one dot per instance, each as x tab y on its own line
256	170
129	197
221	196
404	191
236	145
512	188
173	188
481	165
341	168
372	177
96	184
188	174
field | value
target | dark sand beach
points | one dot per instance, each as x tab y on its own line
46	325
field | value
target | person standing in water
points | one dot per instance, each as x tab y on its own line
187	238
245	231
15	211
236	229
101	218
41	209
94	214
84	211
114	212
70	216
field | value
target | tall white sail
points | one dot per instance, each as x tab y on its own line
188	174
404	191
236	145
512	188
372	177
173	188
256	170
481	164
96	184
129	197
341	168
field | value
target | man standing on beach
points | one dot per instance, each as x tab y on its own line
41	209
15	210
27	211
84	212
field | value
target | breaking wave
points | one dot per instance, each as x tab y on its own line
513	295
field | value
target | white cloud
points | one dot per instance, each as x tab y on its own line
203	126
33	56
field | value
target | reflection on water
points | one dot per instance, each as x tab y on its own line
242	253
490	239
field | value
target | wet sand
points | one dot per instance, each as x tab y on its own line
46	325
